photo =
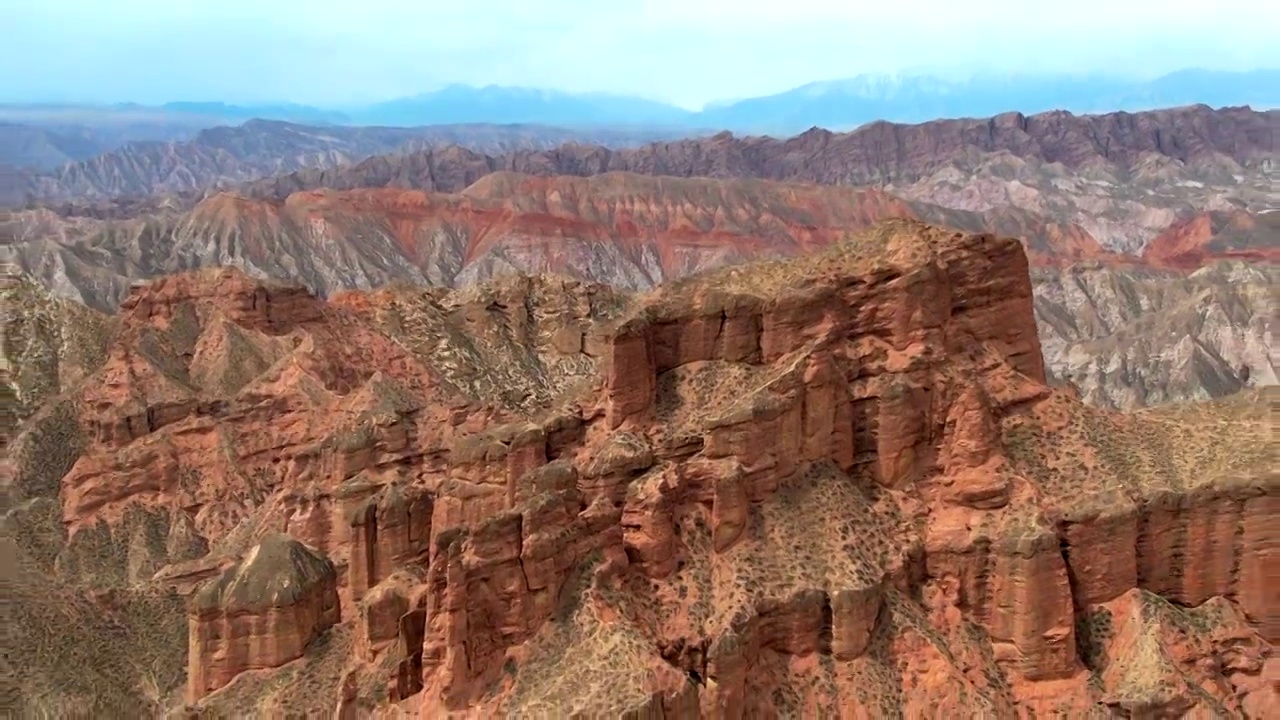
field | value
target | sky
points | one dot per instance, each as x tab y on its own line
338	52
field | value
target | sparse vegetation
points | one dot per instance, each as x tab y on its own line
373	393
496	342
1084	457
1094	631
73	648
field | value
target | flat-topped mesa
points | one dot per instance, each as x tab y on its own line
262	305
261	613
892	356
904	290
861	357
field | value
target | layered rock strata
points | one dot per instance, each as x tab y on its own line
260	614
834	484
852	380
1188	319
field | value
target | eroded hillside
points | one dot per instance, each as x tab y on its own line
635	232
837	483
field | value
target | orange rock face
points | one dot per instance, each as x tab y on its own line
260	614
835	485
1197	240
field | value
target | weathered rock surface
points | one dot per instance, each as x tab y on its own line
1118	149
220	408
837	484
1127	333
260	614
1157	659
1133	337
229	155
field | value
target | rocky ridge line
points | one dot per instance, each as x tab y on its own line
791	484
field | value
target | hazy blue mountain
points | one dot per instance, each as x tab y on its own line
1259	89
288	112
834	104
46	135
457	104
843	104
838	104
24	146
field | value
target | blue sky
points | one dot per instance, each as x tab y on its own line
333	52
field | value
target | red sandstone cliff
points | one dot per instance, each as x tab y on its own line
831	484
260	614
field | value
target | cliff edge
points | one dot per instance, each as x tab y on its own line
836	484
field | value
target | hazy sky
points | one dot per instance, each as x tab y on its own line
684	51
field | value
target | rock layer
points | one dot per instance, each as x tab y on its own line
234	154
260	614
1128	330
833	484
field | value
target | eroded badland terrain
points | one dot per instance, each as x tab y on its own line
1153	235
833	484
630	444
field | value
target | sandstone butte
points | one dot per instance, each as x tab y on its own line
832	484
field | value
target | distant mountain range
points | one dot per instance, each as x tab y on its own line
457	104
45	136
846	104
834	105
227	155
1133	202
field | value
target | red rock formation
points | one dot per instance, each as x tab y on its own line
260	614
1201	238
1015	580
1019	585
1159	659
631	231
389	529
811	486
